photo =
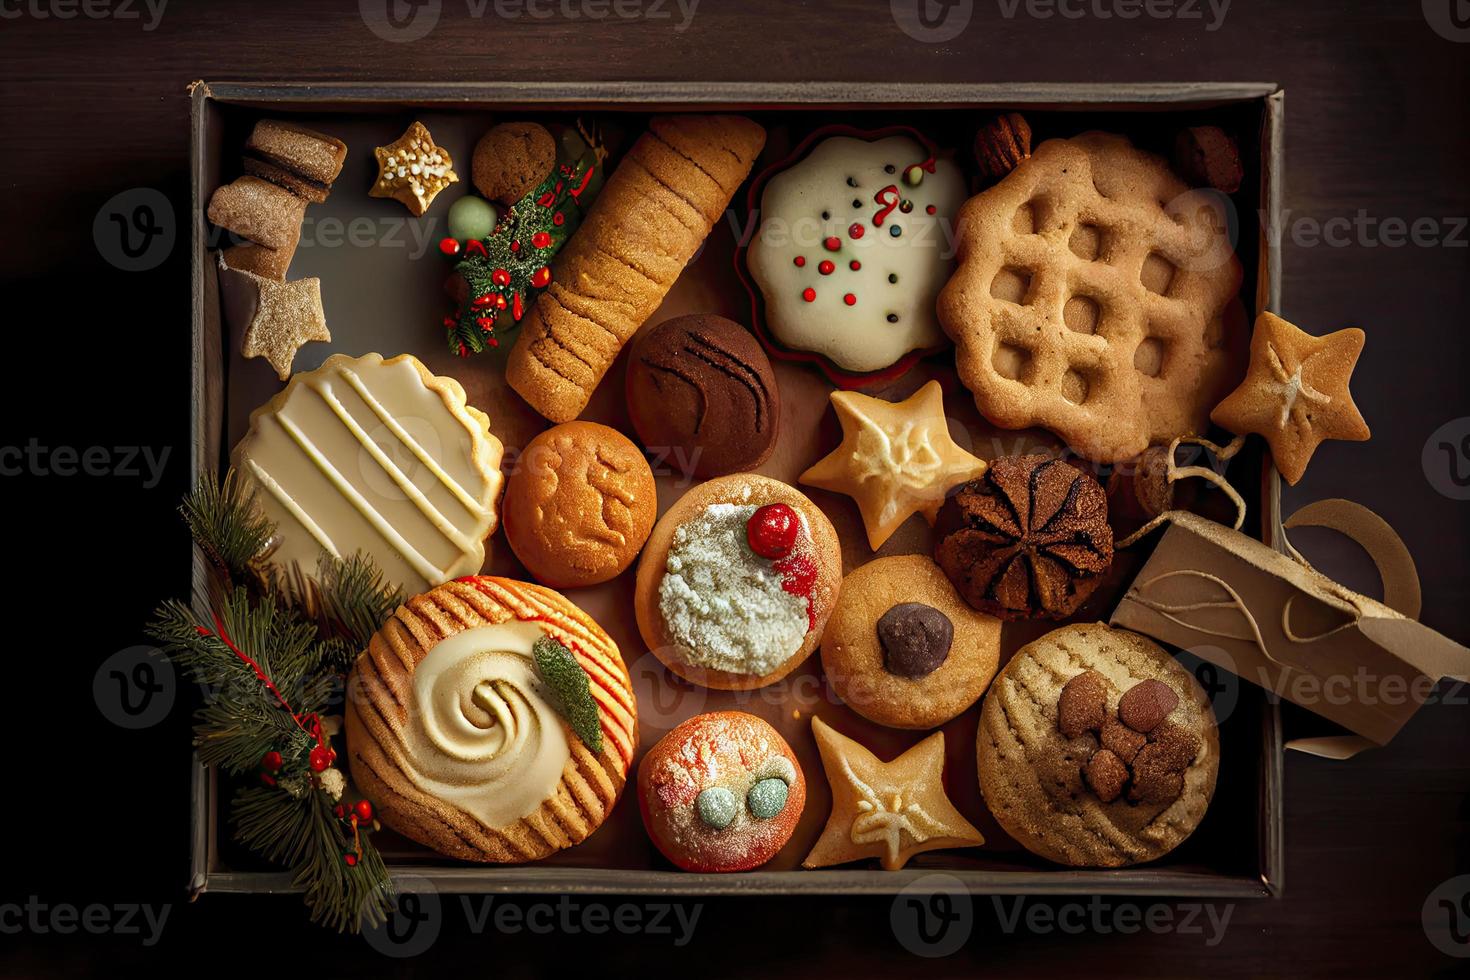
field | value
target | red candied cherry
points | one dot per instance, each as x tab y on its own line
771	531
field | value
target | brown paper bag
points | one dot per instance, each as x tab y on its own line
1273	620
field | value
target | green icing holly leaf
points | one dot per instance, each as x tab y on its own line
571	691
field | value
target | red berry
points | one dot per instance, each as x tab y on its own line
271	760
500	277
541	239
771	530
800	261
832	244
854	265
320	758
363	809
826	267
541	277
340	811
856	230
849	299
809	294
350	859
449	246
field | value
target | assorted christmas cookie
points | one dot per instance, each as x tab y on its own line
276	318
413	169
702	394
1096	748
301	160
1030	539
378	456
903	649
650	219
502	252
721	792
491	720
578	505
854	246
737	581
885	810
896	458
1295	393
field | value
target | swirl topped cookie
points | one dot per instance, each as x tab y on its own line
853	248
491	720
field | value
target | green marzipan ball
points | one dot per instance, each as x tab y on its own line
767	798
716	807
472	217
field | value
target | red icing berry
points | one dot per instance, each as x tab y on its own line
541	239
350	859
826	267
855	230
363	809
849	299
558	219
800	261
799	576
854	265
930	209
500	277
832	244
771	530
449	246
809	294
320	758
475	247
541	277
271	760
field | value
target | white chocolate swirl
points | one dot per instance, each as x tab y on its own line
482	734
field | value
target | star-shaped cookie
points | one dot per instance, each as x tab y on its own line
887	810
278	316
895	459
413	169
1295	393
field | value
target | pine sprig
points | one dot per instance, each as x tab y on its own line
355	598
225	523
340	895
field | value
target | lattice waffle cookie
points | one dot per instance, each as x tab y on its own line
1097	297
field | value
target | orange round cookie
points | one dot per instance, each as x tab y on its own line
453	734
718	613
903	649
721	792
579	504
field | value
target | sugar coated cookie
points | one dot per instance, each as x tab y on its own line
1096	748
579	504
903	649
854	246
737	581
721	792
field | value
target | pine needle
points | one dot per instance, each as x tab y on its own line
225	523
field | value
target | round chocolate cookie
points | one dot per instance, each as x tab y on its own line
903	649
701	386
1096	748
1028	540
512	159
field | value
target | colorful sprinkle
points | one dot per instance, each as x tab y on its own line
893	318
895	230
857	202
849	299
852	182
889	169
800	261
826	267
930	209
832	244
906	206
809	294
855	230
854	265
893	277
913	175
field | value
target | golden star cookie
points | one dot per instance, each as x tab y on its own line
413	170
279	316
1295	393
885	810
895	459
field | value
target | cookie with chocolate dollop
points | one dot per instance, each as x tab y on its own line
903	649
701	388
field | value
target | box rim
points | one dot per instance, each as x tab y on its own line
542	880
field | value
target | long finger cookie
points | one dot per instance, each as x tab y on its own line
655	212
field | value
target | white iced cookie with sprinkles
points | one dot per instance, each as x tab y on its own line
736	582
378	456
854	244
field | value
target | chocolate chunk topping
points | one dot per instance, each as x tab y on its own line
915	639
1144	706
1083	703
1106	775
1175	745
1123	741
1028	539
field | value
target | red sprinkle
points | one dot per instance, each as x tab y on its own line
854	265
832	244
826	267
800	261
855	230
930	209
849	299
808	294
771	530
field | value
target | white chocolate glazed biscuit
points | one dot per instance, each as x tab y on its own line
853	248
376	456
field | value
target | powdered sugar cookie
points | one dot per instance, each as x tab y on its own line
853	248
737	581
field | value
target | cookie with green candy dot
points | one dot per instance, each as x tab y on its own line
721	792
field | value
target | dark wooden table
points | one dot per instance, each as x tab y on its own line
93	105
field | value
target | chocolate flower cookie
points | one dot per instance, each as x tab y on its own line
1029	539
